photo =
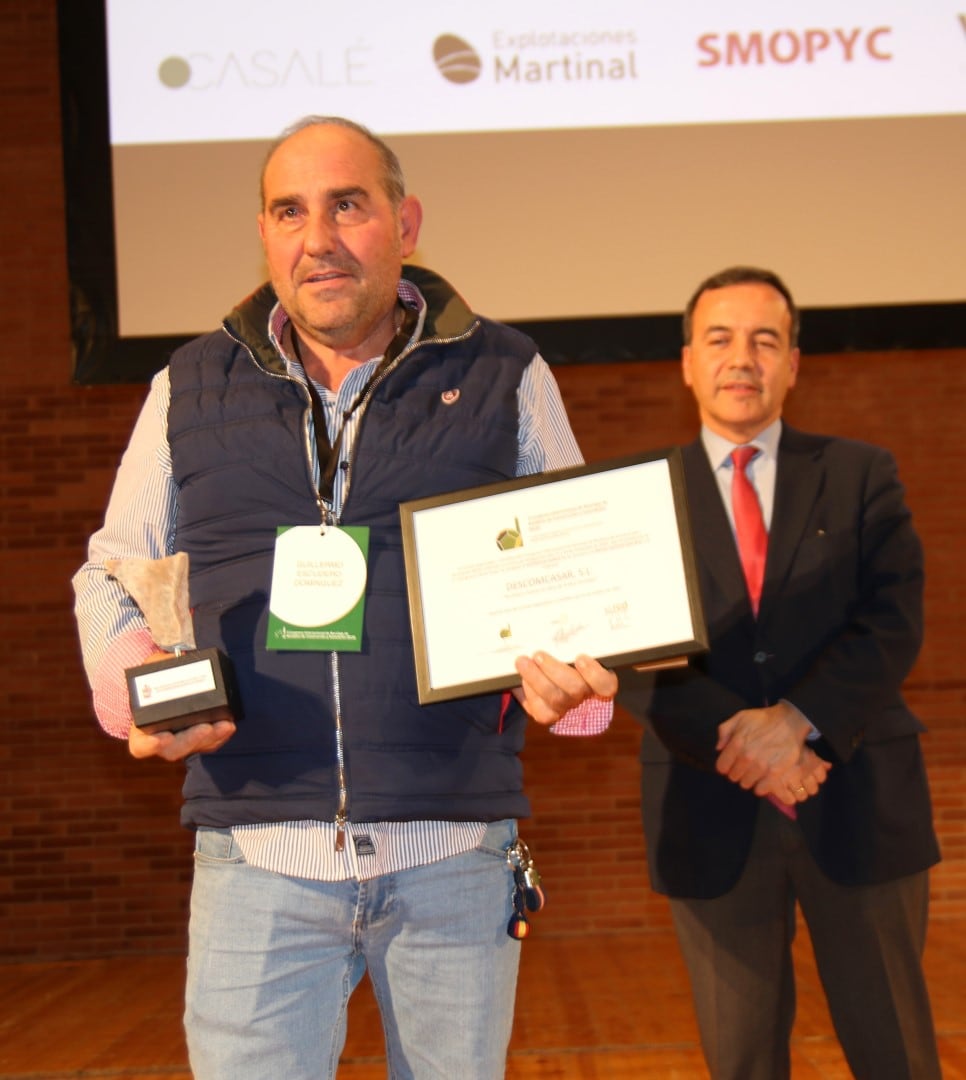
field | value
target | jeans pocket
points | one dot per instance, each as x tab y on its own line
216	846
499	837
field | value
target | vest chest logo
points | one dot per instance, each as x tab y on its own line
449	397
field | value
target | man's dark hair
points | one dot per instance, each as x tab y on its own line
392	179
743	275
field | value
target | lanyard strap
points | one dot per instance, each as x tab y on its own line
328	451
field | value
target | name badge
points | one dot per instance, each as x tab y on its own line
318	588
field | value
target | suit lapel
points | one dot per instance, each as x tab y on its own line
798	481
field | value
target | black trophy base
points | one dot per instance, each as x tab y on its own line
197	687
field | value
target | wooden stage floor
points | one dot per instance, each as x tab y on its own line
610	1007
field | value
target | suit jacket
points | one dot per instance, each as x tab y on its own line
838	629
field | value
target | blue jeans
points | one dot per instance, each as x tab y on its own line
273	959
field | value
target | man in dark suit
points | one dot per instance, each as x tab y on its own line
783	766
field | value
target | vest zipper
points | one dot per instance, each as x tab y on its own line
340	814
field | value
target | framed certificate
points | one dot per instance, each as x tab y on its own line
596	559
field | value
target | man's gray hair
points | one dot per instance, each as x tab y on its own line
393	181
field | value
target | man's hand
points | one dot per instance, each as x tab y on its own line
173	746
800	782
764	750
551	688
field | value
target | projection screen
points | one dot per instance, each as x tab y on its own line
580	170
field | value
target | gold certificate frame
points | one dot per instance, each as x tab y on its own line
596	559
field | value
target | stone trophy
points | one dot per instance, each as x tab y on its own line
193	686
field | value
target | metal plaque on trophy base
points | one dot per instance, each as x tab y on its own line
197	687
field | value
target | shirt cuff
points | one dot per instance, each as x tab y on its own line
590	717
112	705
813	732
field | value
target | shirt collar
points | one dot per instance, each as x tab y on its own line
278	320
718	448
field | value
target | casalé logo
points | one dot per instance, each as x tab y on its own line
268	69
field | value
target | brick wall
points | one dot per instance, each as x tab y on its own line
93	860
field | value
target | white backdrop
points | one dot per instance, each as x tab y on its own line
596	163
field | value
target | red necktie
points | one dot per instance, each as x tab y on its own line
749	524
752	543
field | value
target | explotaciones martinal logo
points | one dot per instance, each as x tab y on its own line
456	59
541	57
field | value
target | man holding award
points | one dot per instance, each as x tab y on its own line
341	826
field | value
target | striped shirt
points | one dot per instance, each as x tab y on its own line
141	522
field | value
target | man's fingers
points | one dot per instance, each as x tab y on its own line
552	688
174	746
602	681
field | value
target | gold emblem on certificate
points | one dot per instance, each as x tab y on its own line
318	588
194	686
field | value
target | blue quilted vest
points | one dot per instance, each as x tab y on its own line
238	437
